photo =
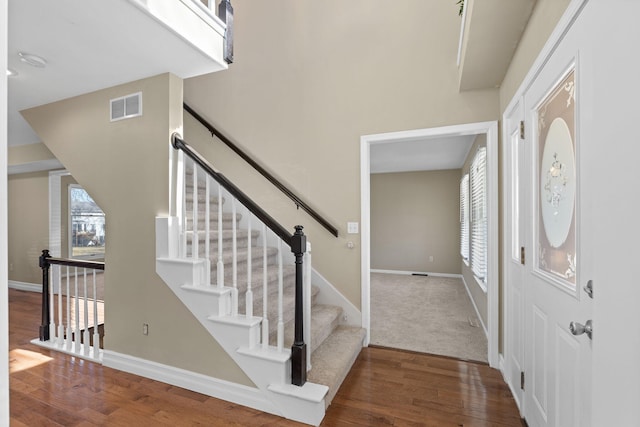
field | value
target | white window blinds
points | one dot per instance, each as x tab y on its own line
479	214
464	217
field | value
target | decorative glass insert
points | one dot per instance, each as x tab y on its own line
556	142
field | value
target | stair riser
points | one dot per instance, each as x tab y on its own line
227	244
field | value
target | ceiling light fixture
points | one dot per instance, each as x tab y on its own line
33	60
11	73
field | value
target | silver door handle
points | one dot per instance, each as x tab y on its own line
579	329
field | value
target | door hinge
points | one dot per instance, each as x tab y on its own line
522	380
522	129
522	258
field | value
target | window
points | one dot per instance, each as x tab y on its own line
464	217
86	225
479	214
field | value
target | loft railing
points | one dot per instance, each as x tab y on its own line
225	13
264	172
71	306
244	235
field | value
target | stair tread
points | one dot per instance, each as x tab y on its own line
324	320
333	359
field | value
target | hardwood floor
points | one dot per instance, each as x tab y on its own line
385	388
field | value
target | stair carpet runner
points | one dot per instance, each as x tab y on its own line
334	347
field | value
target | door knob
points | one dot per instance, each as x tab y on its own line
579	329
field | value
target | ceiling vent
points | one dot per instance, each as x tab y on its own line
126	107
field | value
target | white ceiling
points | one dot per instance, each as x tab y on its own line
439	153
90	45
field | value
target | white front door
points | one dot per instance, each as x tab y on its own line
557	231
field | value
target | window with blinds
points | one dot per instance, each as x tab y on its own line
478	178
464	217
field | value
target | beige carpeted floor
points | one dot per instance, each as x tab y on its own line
425	314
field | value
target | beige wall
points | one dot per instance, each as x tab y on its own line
415	215
124	165
21	154
544	18
309	79
28	205
477	293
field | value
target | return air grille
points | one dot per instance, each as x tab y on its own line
126	107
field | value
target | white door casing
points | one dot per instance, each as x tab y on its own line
491	130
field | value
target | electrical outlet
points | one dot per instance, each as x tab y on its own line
145	329
10	266
430	258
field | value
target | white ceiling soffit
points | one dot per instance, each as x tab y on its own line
441	153
92	45
492	31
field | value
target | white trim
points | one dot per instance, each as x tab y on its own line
409	273
210	386
462	26
25	286
330	295
475	307
493	273
53	344
4	271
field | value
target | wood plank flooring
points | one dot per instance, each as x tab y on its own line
385	388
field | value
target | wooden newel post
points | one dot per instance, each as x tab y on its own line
44	265
299	348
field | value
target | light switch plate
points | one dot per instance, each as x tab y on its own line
352	228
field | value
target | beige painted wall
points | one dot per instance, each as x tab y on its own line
544	18
415	215
124	165
28	206
477	293
309	79
28	153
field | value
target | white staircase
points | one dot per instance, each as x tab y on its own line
222	272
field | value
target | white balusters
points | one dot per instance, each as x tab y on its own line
307	302
234	261
220	265
195	241
76	343
265	306
183	240
207	228
280	299
69	341
60	322
85	336
249	294
96	333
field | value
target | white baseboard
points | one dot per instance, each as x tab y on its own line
475	307
25	286
409	273
210	386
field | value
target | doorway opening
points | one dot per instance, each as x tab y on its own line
373	143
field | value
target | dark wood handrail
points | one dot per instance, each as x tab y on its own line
263	171
179	144
94	265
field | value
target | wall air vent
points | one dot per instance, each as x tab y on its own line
126	107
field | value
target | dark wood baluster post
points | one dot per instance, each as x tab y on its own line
225	13
299	348
44	265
